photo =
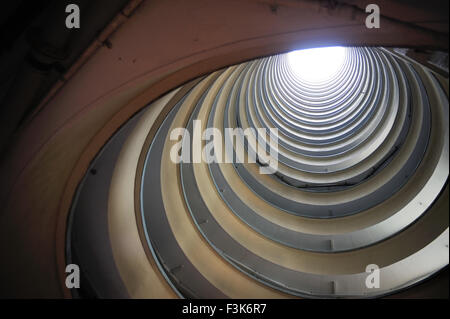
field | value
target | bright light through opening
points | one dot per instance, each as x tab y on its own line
316	65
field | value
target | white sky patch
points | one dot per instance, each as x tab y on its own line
318	64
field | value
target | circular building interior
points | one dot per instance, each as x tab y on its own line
169	151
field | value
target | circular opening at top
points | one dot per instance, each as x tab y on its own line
316	65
